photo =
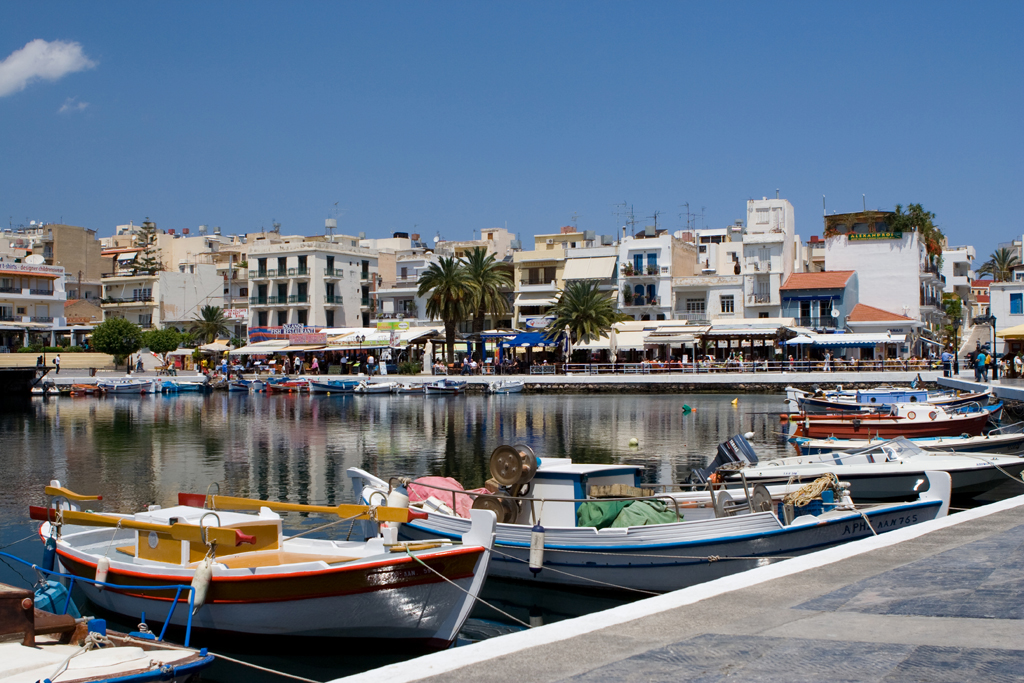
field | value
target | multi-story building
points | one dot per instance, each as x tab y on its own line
162	299
537	277
894	272
497	241
72	247
32	300
820	301
770	247
1007	307
648	260
397	297
311	281
980	298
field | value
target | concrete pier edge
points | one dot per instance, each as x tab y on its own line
450	660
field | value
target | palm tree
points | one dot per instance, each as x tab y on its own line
999	265
489	286
209	324
589	312
451	296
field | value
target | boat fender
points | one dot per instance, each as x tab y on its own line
536	548
932	415
102	569
398	497
201	582
49	554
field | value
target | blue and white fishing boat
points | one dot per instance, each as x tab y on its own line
1003	440
879	398
709	534
246	385
333	386
506	386
180	385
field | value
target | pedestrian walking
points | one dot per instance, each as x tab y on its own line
138	364
947	361
315	367
56	364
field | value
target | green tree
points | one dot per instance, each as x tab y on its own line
489	283
589	312
999	265
162	342
450	297
916	218
148	261
118	337
209	324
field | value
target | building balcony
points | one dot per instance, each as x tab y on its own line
528	285
298	298
695	317
762	300
297	272
333	299
42	318
129	300
641	301
267	300
645	272
365	302
28	293
822	321
333	273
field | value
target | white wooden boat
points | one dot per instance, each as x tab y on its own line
253	579
37	646
878	398
246	385
444	386
127	385
404	388
506	386
376	387
1004	440
174	386
333	386
653	557
887	470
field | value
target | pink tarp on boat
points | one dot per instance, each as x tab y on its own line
463	503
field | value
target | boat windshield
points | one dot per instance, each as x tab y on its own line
893	449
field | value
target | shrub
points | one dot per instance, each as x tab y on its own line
410	367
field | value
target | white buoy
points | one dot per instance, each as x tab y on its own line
102	569
748	435
634	442
201	582
398	497
536	548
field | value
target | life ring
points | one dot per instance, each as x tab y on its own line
911	415
932	415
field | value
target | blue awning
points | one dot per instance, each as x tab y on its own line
528	339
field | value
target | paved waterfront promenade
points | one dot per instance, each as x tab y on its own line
1012	389
940	601
662	382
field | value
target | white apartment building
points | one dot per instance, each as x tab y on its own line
32	300
310	281
163	299
397	298
770	248
648	261
892	267
957	271
1006	304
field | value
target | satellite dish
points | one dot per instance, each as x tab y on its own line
35	259
437	238
835	312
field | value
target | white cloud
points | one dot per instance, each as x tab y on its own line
40	59
72	104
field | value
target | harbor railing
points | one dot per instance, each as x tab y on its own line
739	366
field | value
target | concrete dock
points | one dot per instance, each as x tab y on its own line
939	601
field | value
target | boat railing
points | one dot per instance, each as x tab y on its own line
1015	428
121	588
531	500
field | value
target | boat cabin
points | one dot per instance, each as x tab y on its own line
563	481
891	395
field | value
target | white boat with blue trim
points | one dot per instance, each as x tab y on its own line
712	533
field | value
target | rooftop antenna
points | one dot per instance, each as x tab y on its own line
776	193
824	212
689	216
277	226
575	217
702	217
864	202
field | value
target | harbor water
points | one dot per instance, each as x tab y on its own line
139	450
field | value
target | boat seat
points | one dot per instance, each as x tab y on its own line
275	558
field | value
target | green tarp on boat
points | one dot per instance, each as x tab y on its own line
620	513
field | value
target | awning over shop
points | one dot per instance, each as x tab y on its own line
856	340
260	347
535	299
1015	332
926	340
300	348
600	268
672	339
630	340
529	339
125	258
746	331
374	339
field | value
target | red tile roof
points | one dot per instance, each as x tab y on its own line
981	283
827	279
865	313
983	298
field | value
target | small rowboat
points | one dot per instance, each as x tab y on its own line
85	390
445	386
289	386
333	386
507	386
246	385
376	387
409	389
175	386
251	578
126	386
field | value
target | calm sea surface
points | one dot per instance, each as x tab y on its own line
140	450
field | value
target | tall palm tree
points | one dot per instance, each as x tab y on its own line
451	296
999	265
489	286
589	312
209	324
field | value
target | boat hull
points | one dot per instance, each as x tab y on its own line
657	560
1010	443
394	599
887	427
328	388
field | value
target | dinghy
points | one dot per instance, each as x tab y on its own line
126	385
506	386
333	386
250	577
444	386
376	387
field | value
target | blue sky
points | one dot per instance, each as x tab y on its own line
452	117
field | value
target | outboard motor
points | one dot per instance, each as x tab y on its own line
735	450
